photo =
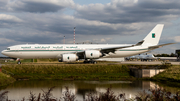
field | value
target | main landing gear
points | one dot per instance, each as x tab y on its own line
90	61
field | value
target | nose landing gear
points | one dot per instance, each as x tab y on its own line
18	61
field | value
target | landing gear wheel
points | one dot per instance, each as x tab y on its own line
94	62
19	62
90	62
59	60
85	61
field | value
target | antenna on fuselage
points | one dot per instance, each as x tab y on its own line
74	34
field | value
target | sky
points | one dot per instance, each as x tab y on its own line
97	21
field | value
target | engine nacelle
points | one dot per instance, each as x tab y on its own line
69	57
92	54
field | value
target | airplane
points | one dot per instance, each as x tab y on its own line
87	52
147	57
132	57
142	57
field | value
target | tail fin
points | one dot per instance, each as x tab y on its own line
153	37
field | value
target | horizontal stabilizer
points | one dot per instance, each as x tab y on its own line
159	46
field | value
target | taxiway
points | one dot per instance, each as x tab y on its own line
149	63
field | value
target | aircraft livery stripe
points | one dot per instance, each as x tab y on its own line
40	50
70	50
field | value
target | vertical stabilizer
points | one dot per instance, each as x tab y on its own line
153	37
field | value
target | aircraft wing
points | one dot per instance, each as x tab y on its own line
104	50
113	49
158	46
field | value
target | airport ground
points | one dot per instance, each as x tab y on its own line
101	71
150	62
79	71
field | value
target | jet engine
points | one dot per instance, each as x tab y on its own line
92	54
69	57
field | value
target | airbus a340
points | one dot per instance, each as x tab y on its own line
88	52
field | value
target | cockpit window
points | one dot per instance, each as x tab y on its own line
8	48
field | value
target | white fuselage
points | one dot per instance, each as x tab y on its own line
31	51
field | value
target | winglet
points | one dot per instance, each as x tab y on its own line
153	37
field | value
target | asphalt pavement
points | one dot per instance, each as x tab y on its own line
149	63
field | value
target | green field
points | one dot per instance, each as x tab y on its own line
69	71
79	71
171	74
5	79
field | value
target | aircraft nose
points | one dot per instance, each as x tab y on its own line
3	52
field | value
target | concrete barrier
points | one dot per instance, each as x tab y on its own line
143	73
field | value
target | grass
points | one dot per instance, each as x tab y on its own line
69	71
171	76
29	61
5	79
